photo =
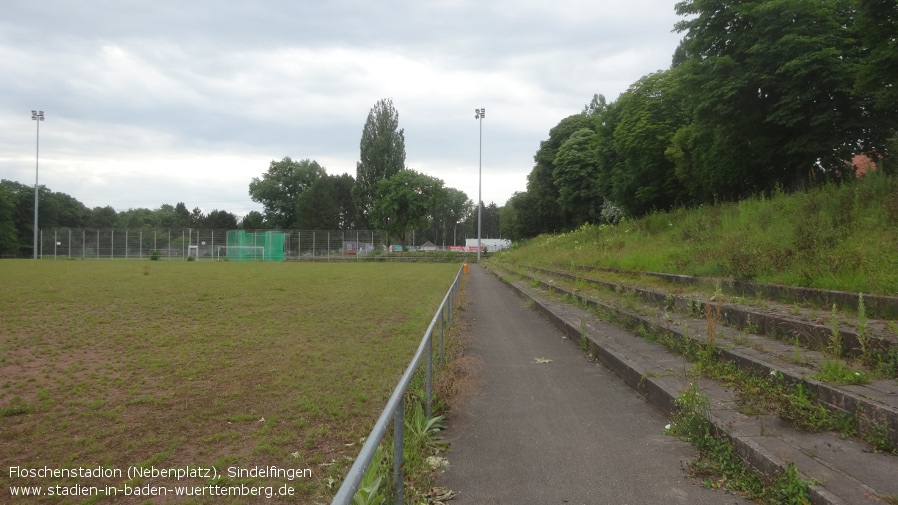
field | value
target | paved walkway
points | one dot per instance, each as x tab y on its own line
566	431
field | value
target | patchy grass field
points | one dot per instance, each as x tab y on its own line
117	364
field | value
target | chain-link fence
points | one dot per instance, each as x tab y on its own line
206	244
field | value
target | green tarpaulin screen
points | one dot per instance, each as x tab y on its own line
255	246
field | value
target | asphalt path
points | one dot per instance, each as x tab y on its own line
546	425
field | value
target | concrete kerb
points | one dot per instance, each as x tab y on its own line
662	393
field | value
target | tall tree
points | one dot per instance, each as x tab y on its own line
576	177
198	218
348	214
327	205
183	214
877	80
405	201
517	221
9	239
103	217
541	185
454	210
596	106
166	217
280	188
650	113
55	210
136	218
253	220
70	212
489	221
770	83
221	220
381	155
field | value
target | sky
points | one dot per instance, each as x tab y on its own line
155	102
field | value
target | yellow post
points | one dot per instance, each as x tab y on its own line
465	267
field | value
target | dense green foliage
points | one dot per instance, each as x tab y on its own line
404	201
281	186
761	95
327	204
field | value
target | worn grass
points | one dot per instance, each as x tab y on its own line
841	237
121	363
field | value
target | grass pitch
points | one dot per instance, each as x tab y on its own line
120	364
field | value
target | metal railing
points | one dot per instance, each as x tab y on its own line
395	409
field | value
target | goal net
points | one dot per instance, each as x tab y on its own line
240	253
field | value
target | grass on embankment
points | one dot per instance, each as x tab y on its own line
121	363
842	237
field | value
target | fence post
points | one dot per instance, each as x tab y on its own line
429	375
398	449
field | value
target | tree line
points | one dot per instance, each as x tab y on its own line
761	94
59	210
385	195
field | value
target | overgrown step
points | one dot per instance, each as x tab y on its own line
878	306
841	470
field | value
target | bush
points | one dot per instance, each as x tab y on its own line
154	255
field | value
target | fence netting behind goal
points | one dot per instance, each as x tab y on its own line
245	246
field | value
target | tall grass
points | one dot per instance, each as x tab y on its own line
834	237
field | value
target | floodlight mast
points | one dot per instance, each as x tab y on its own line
479	114
36	116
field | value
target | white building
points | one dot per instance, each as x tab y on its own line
488	244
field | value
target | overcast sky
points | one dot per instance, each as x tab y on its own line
152	102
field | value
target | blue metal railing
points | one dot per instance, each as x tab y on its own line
395	408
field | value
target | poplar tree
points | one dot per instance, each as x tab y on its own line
381	155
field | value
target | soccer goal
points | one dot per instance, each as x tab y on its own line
240	253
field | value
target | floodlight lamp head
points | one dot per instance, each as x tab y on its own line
37	115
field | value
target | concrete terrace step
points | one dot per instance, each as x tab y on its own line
877	400
883	306
840	470
776	320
